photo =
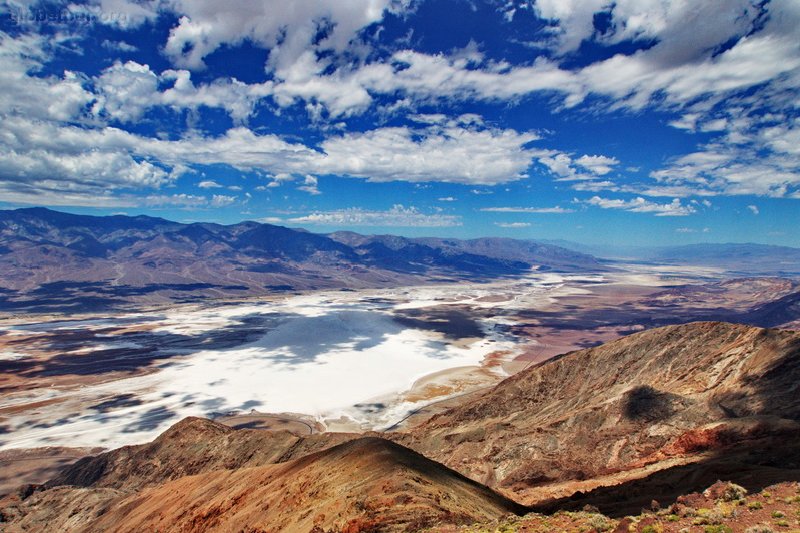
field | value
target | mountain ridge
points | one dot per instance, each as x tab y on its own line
83	262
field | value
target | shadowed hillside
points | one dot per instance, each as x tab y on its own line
659	399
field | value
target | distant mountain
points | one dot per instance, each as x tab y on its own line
747	259
54	261
744	258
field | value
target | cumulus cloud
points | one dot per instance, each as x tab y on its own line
60	98
125	91
452	154
691	57
309	185
598	164
287	28
753	209
40	156
640	205
586	167
698	60
397	216
755	155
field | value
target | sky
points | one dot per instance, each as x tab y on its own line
604	122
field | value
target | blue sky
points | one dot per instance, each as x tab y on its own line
634	121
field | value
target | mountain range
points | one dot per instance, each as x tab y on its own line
631	424
59	261
737	259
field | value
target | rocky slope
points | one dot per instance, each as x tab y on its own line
192	446
366	484
651	416
720	508
656	399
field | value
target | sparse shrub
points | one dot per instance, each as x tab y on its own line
755	506
653	528
708	516
728	509
777	514
673	518
759	529
766	494
782	523
600	522
733	492
718	529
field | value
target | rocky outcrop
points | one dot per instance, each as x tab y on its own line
666	395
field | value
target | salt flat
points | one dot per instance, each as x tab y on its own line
348	359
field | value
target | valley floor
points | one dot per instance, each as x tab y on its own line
347	360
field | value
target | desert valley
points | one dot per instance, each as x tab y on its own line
365	266
657	396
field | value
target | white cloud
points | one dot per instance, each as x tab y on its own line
698	49
597	164
125	91
447	199
123	14
554	210
451	154
177	200
756	155
221	200
397	216
513	225
560	165
640	205
209	184
119	46
685	61
684	64
309	185
287	28
586	167
753	209
573	21
52	97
